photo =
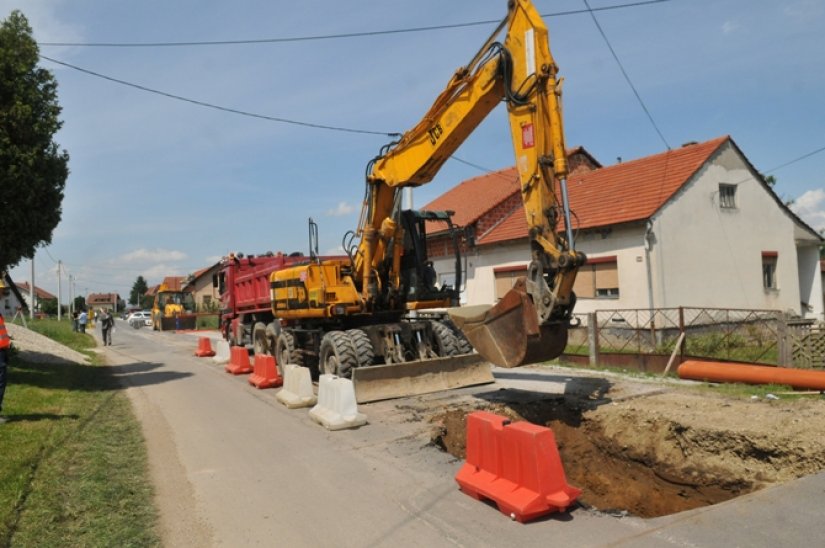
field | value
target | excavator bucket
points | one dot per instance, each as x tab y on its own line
508	334
398	380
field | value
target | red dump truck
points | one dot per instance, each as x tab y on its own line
246	310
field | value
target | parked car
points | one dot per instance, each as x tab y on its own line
139	319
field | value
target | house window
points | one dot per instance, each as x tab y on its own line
446	279
769	259
598	279
727	196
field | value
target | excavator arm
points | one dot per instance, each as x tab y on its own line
530	323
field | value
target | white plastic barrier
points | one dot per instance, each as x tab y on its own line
336	407
221	351
297	390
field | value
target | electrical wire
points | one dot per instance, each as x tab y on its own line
218	107
626	76
332	36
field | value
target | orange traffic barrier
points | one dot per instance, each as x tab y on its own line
238	361
517	466
265	373
204	348
752	374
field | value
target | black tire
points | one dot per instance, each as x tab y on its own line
285	351
463	346
337	355
443	340
259	344
364	352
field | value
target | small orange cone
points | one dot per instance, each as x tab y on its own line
265	374
204	348
238	361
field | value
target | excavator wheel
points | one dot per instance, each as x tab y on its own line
508	334
463	346
444	340
364	352
337	355
285	351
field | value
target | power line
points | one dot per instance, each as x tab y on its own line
218	107
626	77
332	36
795	160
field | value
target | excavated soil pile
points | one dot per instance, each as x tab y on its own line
658	454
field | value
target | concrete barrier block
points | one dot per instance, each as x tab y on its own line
336	408
221	351
297	389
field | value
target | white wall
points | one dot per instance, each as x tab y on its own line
705	255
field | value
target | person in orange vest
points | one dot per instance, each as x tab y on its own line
5	344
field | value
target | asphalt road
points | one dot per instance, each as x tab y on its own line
233	467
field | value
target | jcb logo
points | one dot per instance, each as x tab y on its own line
435	133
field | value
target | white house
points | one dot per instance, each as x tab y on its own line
11	300
696	227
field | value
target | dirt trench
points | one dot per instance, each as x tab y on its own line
665	453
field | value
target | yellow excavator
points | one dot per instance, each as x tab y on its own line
367	316
173	309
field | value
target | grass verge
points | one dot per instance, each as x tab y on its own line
74	469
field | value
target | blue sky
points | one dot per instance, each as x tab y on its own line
162	187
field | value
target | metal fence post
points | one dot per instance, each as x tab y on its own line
593	339
784	357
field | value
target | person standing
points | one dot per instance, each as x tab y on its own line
107	323
82	319
74	321
5	344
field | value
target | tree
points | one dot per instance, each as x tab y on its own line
139	289
33	171
79	303
49	306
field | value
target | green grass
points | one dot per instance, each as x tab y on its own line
74	470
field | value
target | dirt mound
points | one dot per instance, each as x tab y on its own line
666	452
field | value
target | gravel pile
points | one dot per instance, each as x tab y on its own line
37	348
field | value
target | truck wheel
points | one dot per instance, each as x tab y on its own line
285	351
337	355
364	352
259	344
443	340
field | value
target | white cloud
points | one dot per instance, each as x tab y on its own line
810	206
343	208
152	255
805	10
729	27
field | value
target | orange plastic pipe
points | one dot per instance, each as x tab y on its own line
752	374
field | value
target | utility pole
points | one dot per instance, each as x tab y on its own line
71	297
31	293
59	294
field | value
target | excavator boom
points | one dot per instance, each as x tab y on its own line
530	323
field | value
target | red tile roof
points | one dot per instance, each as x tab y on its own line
41	294
626	192
472	198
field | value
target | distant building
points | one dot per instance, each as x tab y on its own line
11	300
39	295
203	291
103	300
